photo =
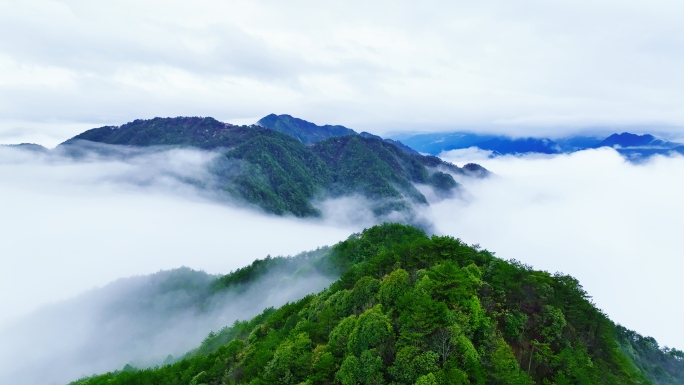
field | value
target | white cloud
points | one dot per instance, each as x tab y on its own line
612	224
69	226
138	320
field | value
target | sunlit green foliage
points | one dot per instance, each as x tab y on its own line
411	309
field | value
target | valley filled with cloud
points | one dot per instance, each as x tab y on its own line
75	225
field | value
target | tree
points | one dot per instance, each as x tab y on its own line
442	343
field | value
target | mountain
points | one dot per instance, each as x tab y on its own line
627	139
28	147
639	147
577	143
307	132
283	175
310	133
500	145
634	147
412	309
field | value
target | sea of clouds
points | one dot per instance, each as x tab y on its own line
614	225
71	225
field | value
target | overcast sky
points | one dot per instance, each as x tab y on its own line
523	67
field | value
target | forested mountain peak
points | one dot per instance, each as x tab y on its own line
281	173
412	309
202	132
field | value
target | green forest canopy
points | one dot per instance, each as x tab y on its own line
412	309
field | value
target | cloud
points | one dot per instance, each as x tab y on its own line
71	225
612	224
465	155
525	68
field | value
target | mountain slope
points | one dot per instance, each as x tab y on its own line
282	175
412	309
627	139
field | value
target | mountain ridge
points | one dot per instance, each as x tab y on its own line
634	147
283	175
310	133
412	309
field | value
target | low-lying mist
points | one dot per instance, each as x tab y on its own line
614	225
70	225
138	321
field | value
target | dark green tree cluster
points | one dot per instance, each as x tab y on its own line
412	309
282	175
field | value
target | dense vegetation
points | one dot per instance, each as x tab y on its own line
282	175
413	309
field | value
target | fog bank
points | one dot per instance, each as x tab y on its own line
613	225
138	320
69	226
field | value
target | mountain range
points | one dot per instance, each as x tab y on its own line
634	147
411	309
285	165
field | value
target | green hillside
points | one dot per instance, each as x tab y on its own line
282	175
413	309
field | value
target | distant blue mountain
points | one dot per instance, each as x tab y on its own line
499	145
632	146
577	143
632	140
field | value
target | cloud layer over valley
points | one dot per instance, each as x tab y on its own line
613	225
71	225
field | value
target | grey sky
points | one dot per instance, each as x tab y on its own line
524	67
